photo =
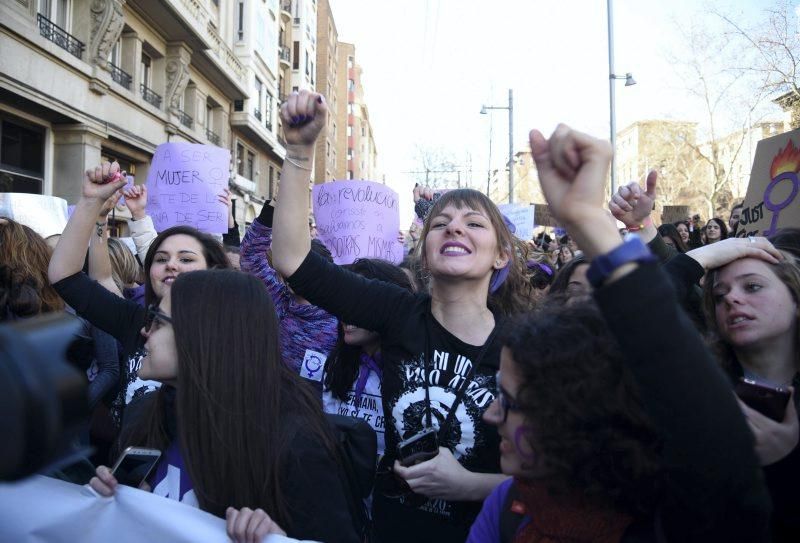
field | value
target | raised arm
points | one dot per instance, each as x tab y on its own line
99	185
99	260
304	115
141	226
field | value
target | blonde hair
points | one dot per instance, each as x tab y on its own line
125	269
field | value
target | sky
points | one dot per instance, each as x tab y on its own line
429	66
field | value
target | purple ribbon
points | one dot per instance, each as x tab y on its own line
368	364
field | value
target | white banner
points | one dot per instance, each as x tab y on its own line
521	216
46	215
45	510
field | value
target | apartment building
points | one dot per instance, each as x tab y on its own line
83	81
304	45
326	158
357	143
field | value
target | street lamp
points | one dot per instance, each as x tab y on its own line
510	108
612	77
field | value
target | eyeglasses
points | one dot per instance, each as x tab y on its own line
155	317
507	403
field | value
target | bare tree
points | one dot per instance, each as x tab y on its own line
774	44
436	167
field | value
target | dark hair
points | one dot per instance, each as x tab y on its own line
231	249
541	272
238	405
25	290
341	368
411	263
723	228
212	252
588	428
564	275
787	239
513	296
669	231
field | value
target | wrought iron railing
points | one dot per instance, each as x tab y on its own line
150	96
285	54
120	76
186	120
51	31
212	137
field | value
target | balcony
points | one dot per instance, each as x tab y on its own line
120	76
185	119
285	56
257	113
244	184
286	10
149	96
213	137
51	31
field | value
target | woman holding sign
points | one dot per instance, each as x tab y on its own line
174	251
439	350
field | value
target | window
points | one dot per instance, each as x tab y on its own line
351	85
349	62
56	10
240	159
259	97
21	157
313	73
114	55
268	107
349	131
307	71
296	56
240	23
209	116
327	148
147	72
350	174
251	162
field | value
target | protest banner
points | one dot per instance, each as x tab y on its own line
542	215
183	185
358	219
46	215
771	202
522	217
42	509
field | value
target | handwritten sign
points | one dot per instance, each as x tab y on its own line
358	219
771	202
183	184
46	215
521	216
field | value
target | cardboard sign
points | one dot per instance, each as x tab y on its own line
522	217
183	185
673	214
46	215
542	215
358	219
771	202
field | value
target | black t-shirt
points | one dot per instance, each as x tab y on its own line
404	321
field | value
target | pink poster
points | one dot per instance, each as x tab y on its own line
358	219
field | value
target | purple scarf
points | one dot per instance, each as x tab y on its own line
368	364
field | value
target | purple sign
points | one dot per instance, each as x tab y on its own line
183	184
358	219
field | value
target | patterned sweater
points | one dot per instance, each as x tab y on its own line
307	332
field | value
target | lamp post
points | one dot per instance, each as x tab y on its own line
612	77
510	108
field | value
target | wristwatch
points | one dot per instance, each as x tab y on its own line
631	250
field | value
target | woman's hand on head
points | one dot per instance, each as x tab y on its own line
631	204
726	251
103	181
774	440
103	482
304	114
247	526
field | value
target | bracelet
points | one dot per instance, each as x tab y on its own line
641	226
100	226
295	164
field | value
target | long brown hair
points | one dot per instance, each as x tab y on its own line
25	290
125	269
514	294
237	404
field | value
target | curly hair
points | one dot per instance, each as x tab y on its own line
25	290
514	294
588	428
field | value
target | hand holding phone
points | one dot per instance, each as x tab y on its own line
767	400
134	465
419	448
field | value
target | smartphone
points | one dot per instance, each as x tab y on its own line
767	400
134	465
419	448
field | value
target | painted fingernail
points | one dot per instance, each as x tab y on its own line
319	99
303	118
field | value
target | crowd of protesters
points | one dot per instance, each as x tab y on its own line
586	385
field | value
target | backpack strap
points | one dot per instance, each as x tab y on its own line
511	515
